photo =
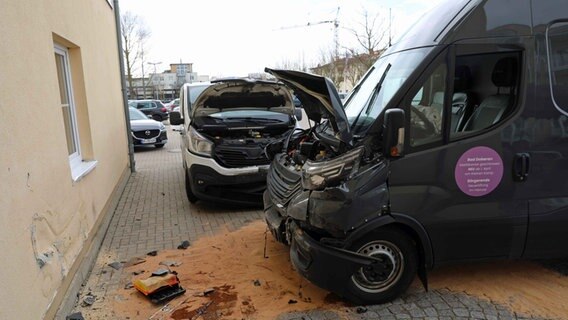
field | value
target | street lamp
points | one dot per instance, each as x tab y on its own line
155	64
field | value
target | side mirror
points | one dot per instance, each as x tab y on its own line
298	113
175	118
393	133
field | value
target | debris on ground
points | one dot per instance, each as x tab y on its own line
361	309
134	261
75	316
129	285
208	291
88	300
292	301
152	253
159	288
170	263
116	265
184	245
256	283
137	272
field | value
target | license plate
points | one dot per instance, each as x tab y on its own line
146	141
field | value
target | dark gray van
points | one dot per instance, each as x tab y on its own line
453	147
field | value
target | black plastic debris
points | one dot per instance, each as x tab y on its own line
184	245
152	253
75	316
256	283
361	309
292	301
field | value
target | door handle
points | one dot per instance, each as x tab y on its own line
521	167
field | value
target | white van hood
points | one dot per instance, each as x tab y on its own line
243	94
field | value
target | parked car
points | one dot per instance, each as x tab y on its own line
172	104
453	147
226	126
146	131
153	108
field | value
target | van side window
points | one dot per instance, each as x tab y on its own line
557	38
426	109
485	91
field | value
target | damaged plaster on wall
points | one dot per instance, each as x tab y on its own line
57	239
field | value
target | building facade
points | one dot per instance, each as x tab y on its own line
64	158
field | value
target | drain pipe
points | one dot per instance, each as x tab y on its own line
123	87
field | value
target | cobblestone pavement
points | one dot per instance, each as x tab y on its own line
154	214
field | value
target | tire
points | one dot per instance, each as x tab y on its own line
157	117
159	146
190	196
375	286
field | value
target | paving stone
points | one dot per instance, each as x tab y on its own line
461	312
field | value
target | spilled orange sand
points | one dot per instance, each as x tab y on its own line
231	262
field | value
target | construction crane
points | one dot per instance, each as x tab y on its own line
335	23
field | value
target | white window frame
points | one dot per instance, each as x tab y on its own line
79	168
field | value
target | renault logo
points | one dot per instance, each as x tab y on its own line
147	132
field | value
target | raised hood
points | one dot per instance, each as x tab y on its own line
319	98
243	94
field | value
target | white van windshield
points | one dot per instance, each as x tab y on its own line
379	85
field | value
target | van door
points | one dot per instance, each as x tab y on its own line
544	131
456	177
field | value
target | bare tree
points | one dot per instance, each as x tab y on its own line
370	33
134	37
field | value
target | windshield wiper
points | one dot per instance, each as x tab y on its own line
374	96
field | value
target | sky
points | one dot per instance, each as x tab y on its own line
234	38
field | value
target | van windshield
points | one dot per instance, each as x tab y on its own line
378	86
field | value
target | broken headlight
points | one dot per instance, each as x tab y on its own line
321	174
198	144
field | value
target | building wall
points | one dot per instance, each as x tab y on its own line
46	218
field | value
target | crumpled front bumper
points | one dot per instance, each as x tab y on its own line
326	266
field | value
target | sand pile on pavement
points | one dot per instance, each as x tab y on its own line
246	284
524	287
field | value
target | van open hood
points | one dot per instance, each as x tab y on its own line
243	94
319	98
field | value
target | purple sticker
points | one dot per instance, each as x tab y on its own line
479	171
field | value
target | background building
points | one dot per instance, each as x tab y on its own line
64	158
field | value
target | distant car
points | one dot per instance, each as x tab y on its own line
172	104
146	131
154	108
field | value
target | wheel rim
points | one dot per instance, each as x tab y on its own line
383	276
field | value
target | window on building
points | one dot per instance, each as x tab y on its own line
557	37
79	167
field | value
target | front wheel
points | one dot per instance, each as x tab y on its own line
388	279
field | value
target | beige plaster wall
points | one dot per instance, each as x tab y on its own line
43	213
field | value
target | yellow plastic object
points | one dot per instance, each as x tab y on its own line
150	285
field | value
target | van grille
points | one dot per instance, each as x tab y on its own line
240	157
282	183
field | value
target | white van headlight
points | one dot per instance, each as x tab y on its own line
321	174
198	144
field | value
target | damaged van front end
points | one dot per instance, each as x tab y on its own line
326	187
